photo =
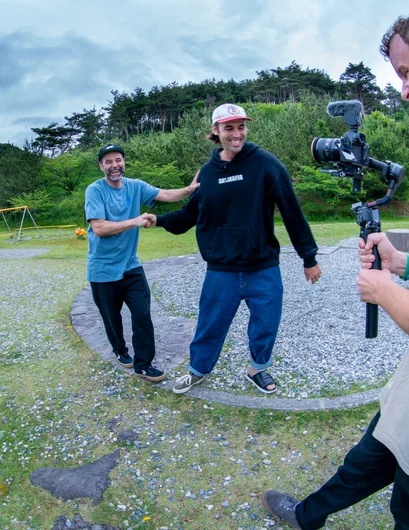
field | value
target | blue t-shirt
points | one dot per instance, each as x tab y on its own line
109	257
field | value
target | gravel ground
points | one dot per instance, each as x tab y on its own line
30	296
321	347
173	466
320	350
17	253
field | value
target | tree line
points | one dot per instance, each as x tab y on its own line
162	108
53	188
164	132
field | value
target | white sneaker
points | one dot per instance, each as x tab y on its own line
185	383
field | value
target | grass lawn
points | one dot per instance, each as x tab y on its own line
157	243
195	465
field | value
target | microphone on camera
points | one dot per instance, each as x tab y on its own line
340	108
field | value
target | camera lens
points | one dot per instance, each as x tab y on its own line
325	150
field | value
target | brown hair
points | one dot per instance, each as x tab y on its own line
401	28
214	137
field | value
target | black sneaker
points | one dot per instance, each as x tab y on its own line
282	505
150	374
125	359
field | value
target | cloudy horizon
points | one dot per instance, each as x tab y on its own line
59	58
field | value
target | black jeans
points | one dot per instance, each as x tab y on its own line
368	467
134	290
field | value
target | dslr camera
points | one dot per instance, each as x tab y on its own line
350	153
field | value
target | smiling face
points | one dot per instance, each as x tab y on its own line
113	167
399	57
232	135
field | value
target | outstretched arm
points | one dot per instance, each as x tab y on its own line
182	220
378	287
178	194
103	228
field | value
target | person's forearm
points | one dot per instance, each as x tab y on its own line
173	195
394	299
398	264
176	222
103	228
176	195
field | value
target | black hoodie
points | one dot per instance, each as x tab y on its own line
233	212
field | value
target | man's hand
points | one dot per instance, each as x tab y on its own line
373	283
313	273
391	259
194	184
142	220
178	194
150	219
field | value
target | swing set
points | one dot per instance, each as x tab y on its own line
16	235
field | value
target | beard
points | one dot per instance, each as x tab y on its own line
114	178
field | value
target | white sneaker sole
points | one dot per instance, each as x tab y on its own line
184	390
150	378
125	365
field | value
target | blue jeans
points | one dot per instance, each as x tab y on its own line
221	295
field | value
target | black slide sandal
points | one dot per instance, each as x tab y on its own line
262	380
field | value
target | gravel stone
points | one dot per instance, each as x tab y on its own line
89	480
127	436
321	345
18	253
78	523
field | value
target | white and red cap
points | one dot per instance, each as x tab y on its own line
229	112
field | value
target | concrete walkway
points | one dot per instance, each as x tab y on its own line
173	335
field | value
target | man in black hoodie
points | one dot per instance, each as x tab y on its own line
233	211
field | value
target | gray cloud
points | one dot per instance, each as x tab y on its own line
241	13
70	64
60	58
39	73
31	121
222	57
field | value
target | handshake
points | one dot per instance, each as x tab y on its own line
146	220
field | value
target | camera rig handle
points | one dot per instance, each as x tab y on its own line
349	155
368	218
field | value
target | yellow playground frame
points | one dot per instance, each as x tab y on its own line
10	233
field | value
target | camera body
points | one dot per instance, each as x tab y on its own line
351	153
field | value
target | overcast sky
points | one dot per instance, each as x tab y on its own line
61	56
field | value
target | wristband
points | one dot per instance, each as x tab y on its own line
405	275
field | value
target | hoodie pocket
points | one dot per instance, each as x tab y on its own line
232	244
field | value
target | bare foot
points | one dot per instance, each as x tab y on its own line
252	372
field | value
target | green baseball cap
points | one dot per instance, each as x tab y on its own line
110	148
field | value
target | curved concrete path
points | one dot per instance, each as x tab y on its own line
173	335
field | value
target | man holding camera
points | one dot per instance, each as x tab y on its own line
382	456
233	211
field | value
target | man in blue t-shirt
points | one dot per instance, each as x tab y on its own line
112	207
